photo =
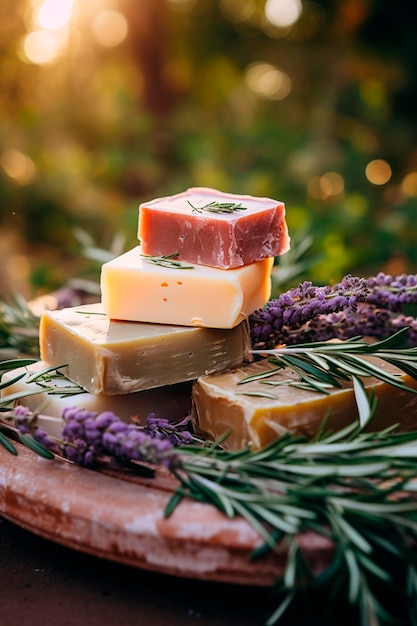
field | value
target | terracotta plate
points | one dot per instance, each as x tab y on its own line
121	518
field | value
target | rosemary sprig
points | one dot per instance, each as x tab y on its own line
19	329
167	260
322	365
49	380
218	207
356	488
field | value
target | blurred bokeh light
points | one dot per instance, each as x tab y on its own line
107	103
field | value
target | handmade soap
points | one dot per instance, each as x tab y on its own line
54	394
209	227
135	288
256	413
113	358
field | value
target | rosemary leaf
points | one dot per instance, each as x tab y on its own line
372	567
354	575
174	501
42	374
34	445
168	261
6	443
259	375
11	381
12	364
322	375
282	608
9	400
364	407
218	207
256	523
257	394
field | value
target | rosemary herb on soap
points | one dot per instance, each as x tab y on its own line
218	207
167	260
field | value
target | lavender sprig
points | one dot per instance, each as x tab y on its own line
177	433
356	489
355	306
88	437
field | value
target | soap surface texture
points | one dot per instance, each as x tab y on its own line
114	358
171	402
221	403
208	227
136	289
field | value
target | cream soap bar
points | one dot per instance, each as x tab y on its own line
113	358
209	227
171	402
135	289
221	404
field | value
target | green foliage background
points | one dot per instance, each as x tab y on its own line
169	108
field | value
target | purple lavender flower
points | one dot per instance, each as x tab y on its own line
27	424
87	436
393	293
355	306
177	433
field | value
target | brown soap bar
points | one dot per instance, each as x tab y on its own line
114	358
221	404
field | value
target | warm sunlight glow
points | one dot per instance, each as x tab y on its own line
283	13
409	184
333	183
42	46
238	11
54	14
329	185
18	166
18	268
109	28
269	81
182	5
378	172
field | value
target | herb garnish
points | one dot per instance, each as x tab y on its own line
46	380
167	260
219	207
323	365
355	488
18	329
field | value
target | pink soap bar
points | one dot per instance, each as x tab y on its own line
209	227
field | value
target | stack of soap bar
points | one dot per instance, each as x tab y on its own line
134	288
114	358
205	259
162	322
171	402
256	413
208	227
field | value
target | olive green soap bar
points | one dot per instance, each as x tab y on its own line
114	357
